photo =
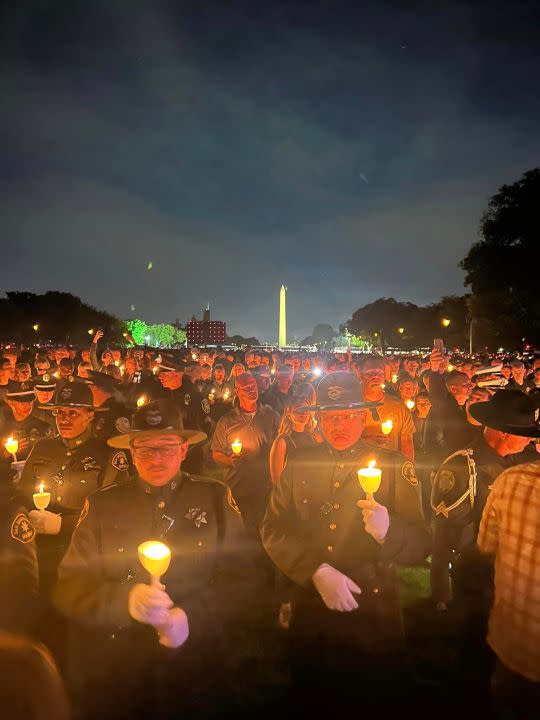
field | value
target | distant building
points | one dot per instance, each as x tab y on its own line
206	331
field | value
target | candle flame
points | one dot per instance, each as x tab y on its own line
40	487
141	401
371	463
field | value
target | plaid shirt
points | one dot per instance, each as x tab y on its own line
510	529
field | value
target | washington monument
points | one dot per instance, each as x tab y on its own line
282	337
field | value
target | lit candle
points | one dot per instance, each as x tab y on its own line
117	363
226	394
211	397
41	498
155	557
450	367
410	404
12	445
369	479
141	401
387	426
236	447
394	379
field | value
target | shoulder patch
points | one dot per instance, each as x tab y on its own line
22	530
205	406
122	424
409	473
120	461
84	512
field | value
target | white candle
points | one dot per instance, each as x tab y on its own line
370	479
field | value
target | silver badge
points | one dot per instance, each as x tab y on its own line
122	424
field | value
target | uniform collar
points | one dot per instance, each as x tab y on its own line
164	491
72	443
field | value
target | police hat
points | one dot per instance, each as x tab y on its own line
20	391
156	417
45	383
509	411
339	390
74	394
102	380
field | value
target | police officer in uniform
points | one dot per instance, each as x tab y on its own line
70	467
44	388
17	419
18	561
462	483
340	547
194	407
127	632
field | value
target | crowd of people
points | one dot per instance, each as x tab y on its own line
294	482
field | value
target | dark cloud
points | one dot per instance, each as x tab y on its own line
346	151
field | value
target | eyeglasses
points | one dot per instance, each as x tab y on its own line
144	452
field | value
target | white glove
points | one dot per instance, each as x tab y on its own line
376	519
175	631
149	604
335	588
45	522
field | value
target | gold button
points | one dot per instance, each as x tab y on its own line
304	500
375	590
333	526
336	484
68	453
58	499
336	506
330	548
83	482
120	549
199	544
63	467
341	466
161	504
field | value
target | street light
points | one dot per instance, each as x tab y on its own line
445	322
401	330
35	327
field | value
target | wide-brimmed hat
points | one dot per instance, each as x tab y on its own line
156	417
73	394
102	380
509	411
339	390
20	391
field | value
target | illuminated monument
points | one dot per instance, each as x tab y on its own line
282	338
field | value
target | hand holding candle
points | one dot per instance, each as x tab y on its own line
41	498
370	479
236	447
155	557
12	445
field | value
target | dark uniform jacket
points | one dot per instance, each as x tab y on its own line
70	470
456	529
18	565
114	420
32	428
312	518
209	577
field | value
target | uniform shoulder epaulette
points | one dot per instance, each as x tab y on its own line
205	479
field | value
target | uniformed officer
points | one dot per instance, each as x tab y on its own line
339	548
193	406
462	483
18	562
17	420
105	393
69	466
44	388
125	625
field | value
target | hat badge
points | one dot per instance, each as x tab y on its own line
46	378
334	392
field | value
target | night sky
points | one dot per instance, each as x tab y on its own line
344	149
